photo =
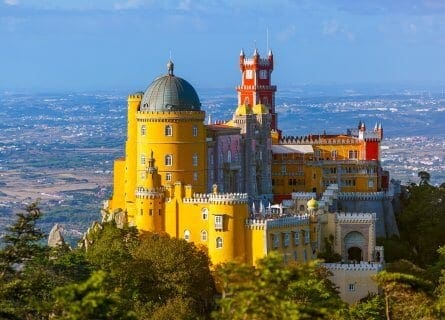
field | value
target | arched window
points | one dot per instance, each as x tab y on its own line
168	176
195	130
203	235
195	176
219	242
186	235
168	130
204	213
143	130
195	159
229	156
168	160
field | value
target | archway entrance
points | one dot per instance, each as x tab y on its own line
355	254
354	246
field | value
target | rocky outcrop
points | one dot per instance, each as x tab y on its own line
55	238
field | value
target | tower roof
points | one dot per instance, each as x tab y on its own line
169	92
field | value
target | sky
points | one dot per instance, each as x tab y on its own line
124	44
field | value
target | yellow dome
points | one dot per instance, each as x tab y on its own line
243	110
260	109
312	204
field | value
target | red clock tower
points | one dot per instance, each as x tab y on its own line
255	85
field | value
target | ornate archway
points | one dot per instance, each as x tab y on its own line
354	243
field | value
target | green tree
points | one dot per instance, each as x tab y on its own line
369	308
92	299
273	290
329	255
422	222
424	178
406	296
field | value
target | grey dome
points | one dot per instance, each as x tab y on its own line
169	92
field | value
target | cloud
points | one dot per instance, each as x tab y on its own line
11	2
287	33
333	28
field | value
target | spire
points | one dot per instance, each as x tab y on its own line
210	120
270	53
242	53
170	67
255	52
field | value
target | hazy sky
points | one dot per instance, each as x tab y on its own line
124	44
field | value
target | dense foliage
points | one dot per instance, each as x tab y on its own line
124	274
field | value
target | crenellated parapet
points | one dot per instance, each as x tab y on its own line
363	196
137	96
256	224
353	217
145	193
217	198
169	116
319	140
303	195
285	222
362	266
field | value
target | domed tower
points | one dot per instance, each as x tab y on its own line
166	128
171	126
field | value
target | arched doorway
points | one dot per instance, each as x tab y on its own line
354	245
355	254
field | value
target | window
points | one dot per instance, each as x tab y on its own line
296	238
143	130
263	74
195	159
142	212
168	160
275	241
211	160
203	235
204	213
168	130
353	154
229	156
286	240
334	154
370	183
168	176
187	235
219	242
142	158
305	255
295	255
249	74
351	287
306	236
195	130
218	222
150	212
195	176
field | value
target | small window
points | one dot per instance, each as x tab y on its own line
296	238
229	156
187	235
218	222
168	176
168	160
295	255
195	159
219	242
143	130
351	287
306	236
249	74
204	213
334	154
286	240
150	212
195	130
203	235
275	241
195	176
142	158
305	255
263	74
370	183
168	130
353	154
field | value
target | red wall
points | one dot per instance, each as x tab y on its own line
372	150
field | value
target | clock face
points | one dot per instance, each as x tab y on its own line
249	74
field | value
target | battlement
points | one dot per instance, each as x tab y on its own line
261	61
218	198
169	116
363	196
277	223
353	217
135	96
252	87
144	193
303	195
362	266
319	139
